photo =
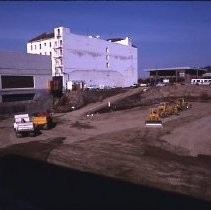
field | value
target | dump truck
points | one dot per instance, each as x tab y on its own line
42	120
23	126
153	118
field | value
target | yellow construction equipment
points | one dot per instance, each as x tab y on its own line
166	109
42	120
182	104
153	118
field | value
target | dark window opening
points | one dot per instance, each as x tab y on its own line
17	82
17	97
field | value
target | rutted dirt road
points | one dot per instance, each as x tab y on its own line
117	144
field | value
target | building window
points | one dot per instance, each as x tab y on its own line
107	57
49	44
44	44
60	42
55	43
107	49
58	32
60	51
35	46
107	65
31	47
50	53
17	82
45	53
17	97
61	61
40	46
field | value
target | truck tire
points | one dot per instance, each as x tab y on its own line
18	135
32	134
45	127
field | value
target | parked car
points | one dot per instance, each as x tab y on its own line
160	84
134	85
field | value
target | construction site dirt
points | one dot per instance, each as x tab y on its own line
164	168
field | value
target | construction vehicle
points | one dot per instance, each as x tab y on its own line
182	104
42	120
23	126
153	119
166	109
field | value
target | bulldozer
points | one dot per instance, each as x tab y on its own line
42	120
182	104
153	118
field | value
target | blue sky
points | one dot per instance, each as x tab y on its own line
167	33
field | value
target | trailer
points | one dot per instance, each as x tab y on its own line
43	120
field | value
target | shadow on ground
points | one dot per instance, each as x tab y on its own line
30	184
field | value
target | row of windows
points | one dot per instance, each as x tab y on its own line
45	53
60	43
40	46
45	44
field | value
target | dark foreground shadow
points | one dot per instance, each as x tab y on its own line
31	184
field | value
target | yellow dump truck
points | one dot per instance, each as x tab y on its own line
42	120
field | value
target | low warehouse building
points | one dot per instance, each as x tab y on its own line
23	77
177	74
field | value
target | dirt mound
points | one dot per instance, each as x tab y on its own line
190	92
79	99
153	95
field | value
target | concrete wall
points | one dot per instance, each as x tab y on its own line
98	61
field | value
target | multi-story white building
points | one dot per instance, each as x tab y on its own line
90	59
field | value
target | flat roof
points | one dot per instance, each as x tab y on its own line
175	68
23	61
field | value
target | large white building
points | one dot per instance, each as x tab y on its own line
86	58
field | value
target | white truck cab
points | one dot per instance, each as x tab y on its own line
22	125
